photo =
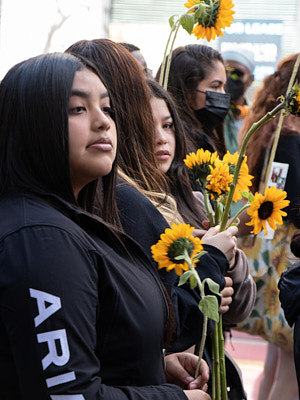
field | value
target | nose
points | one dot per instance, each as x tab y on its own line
101	121
160	136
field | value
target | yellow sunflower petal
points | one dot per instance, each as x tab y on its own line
244	179
267	208
162	250
217	17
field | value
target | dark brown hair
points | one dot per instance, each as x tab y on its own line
178	177
190	65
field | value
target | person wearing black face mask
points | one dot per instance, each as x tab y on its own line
197	81
216	108
239	64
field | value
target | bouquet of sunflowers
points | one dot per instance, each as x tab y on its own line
223	181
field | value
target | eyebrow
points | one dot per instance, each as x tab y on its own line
216	81
167	117
86	95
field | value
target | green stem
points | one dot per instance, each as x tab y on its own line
273	151
166	75
238	214
251	131
216	366
202	344
164	71
208	208
214	375
205	319
222	360
163	65
218	212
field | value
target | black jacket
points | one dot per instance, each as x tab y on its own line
77	316
288	151
289	295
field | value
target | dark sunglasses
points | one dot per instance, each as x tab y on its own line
235	73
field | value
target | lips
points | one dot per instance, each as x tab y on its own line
103	144
162	154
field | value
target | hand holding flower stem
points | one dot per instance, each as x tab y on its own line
178	249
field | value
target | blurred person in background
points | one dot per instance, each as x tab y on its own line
239	65
137	54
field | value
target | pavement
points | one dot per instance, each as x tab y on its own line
249	352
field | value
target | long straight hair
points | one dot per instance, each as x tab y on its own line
178	176
34	132
190	65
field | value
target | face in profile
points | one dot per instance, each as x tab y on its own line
92	131
164	134
214	82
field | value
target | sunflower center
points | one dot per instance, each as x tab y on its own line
209	17
177	248
265	210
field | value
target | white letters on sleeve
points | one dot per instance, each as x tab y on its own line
52	357
44	312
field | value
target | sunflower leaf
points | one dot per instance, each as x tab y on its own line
209	306
172	20
248	195
197	256
184	277
180	257
213	286
187	22
193	281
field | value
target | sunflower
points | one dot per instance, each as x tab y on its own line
199	164
173	242
267	208
211	16
219	179
244	179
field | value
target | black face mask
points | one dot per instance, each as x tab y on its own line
215	110
235	88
